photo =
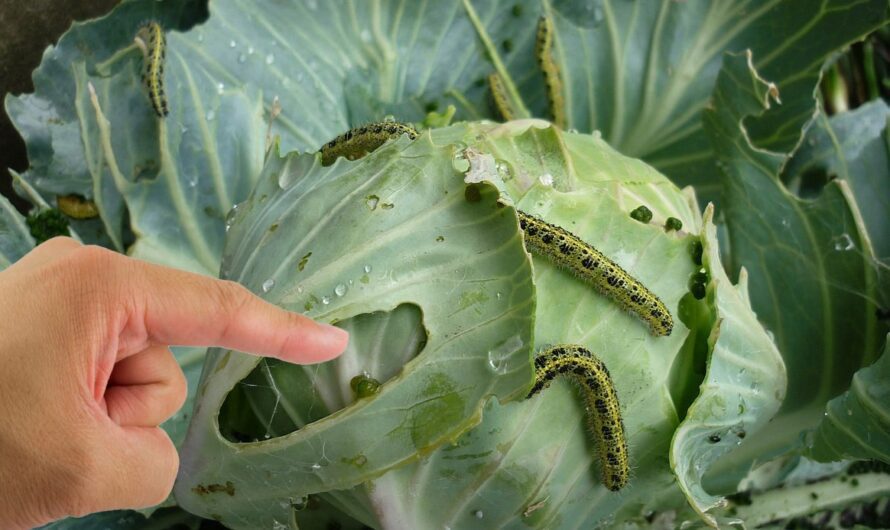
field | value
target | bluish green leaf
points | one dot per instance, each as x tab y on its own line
15	238
812	279
857	423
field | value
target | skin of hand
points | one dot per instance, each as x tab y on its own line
86	375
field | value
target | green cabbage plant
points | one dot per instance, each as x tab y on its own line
768	403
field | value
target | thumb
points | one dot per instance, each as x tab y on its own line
137	469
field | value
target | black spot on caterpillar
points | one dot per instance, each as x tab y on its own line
544	54
499	96
77	207
150	39
603	410
566	250
360	141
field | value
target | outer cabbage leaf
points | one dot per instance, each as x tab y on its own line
852	146
857	424
399	216
51	120
822	308
641	72
15	237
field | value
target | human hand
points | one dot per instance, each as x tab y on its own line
86	375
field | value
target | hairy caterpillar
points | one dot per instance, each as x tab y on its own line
543	52
360	141
603	410
499	95
77	207
152	42
568	251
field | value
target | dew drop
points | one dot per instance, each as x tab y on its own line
843	243
231	216
546	179
478	514
242	58
367	269
503	170
270	59
210	115
250	50
268	285
219	88
325	300
340	289
200	37
232	44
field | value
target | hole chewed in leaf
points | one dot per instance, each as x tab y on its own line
278	398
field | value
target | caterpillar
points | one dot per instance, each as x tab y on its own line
567	251
360	141
152	42
603	409
77	207
544	55
499	95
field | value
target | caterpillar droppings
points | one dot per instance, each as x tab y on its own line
544	54
499	96
152	41
360	141
77	207
569	252
603	410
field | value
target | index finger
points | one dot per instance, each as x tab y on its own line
186	309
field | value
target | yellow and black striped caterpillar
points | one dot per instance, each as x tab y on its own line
552	80
499	96
152	42
568	251
603	410
360	141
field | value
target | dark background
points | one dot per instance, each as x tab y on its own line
27	27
